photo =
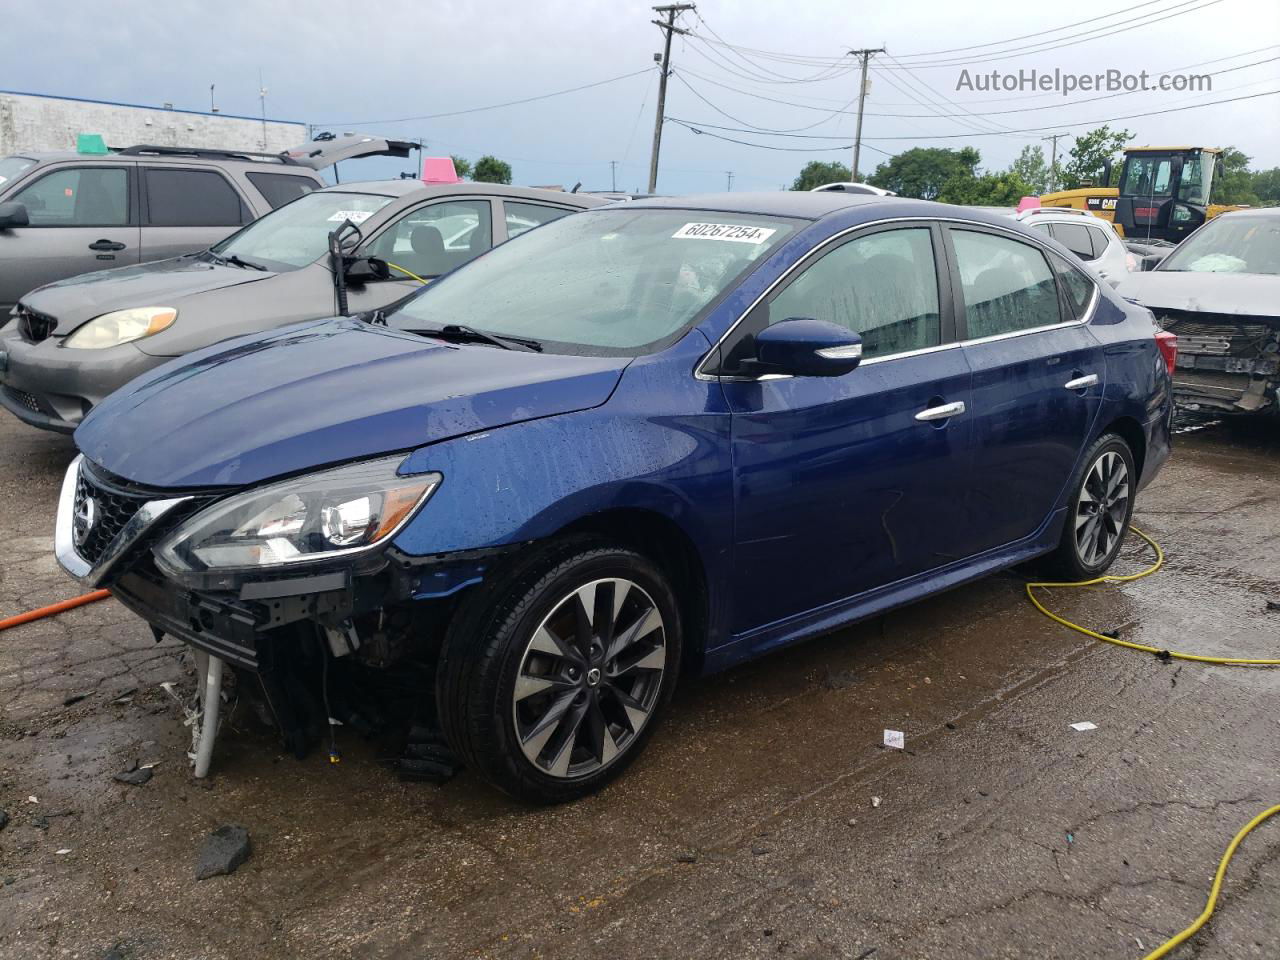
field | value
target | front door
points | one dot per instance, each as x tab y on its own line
847	483
82	219
1038	379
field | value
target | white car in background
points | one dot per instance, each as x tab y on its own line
846	187
1090	238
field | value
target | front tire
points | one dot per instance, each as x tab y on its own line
1098	511
552	677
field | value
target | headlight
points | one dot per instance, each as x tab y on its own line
122	326
304	520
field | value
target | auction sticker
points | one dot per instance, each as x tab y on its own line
731	232
355	216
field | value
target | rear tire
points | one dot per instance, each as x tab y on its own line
553	675
1098	511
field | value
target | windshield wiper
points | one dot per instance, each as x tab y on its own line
457	331
244	263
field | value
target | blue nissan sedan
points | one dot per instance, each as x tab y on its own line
648	439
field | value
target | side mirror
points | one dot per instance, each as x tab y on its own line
366	269
804	347
13	215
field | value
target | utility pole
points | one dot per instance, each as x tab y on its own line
613	175
1053	163
865	56
729	186
668	27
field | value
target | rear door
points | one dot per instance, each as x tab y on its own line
844	484
83	218
1038	378
187	209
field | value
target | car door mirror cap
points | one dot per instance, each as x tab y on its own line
805	347
14	215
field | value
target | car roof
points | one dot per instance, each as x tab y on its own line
804	204
417	189
1252	212
263	164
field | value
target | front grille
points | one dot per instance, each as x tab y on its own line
34	325
1243	335
112	509
22	398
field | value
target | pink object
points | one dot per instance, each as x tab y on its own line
1028	203
439	170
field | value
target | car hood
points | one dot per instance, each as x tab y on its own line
164	283
325	392
1247	294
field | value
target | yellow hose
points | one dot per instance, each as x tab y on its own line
407	273
1113	578
1201	920
1205	914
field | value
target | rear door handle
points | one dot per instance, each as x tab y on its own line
1082	383
942	412
106	245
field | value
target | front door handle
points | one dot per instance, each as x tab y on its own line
106	245
942	412
1082	383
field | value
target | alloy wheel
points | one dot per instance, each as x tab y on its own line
589	678
1101	508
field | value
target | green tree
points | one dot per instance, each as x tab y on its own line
923	171
1003	189
490	169
461	166
1089	154
1031	168
1235	184
818	172
1266	187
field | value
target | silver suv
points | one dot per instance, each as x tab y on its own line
64	214
1090	238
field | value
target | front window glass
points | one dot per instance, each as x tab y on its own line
78	197
1249	244
10	167
1147	176
298	234
608	281
883	287
434	239
1007	285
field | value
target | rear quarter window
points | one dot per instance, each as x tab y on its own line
281	188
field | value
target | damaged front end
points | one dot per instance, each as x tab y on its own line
294	587
1227	363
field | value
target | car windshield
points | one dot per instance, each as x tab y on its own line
297	234
614	281
1248	244
10	167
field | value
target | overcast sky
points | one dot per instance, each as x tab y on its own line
345	65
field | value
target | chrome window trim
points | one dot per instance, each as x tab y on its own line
1032	241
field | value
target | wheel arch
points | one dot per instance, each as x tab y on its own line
672	549
1130	431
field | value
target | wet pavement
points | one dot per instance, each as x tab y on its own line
749	827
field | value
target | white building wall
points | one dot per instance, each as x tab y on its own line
31	123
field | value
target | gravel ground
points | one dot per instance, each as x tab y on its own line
750	826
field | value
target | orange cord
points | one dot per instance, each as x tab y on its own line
54	608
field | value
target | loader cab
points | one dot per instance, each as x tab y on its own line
1164	191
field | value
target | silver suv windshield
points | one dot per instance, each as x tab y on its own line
1249	244
10	167
297	234
616	280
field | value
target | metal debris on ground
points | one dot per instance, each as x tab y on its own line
1084	725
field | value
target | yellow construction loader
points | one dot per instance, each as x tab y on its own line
1163	194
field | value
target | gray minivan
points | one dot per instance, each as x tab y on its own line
75	341
63	213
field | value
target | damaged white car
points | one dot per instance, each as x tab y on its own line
1219	291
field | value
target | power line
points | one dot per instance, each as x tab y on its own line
492	106
830	113
1035	130
821	75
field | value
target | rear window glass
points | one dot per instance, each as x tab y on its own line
1007	285
1075	237
1078	287
192	198
280	188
